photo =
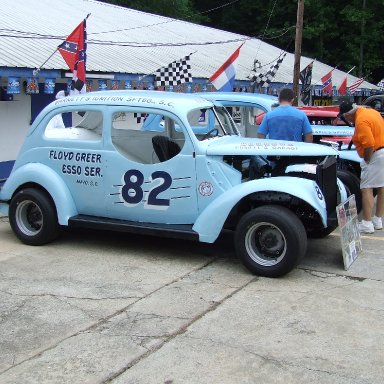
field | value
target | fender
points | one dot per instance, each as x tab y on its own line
41	174
350	155
210	222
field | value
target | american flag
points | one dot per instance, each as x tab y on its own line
355	85
266	78
175	73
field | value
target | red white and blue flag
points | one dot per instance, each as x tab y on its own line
355	85
224	78
327	83
343	87
74	52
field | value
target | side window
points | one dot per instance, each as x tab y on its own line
146	138
76	125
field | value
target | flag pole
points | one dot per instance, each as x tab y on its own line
37	70
351	69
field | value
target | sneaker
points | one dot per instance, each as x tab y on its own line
366	227
377	222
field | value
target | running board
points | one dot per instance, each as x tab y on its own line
177	231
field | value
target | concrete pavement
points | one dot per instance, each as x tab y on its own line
98	307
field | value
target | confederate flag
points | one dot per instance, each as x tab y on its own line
74	52
327	83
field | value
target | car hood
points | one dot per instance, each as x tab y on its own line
235	145
332	130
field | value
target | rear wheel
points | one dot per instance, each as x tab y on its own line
33	218
270	240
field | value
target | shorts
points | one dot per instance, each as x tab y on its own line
372	174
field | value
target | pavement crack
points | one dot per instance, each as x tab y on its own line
178	332
265	358
106	319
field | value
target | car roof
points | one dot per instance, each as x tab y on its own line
239	96
135	98
373	97
326	111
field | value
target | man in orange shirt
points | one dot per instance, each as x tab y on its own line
369	141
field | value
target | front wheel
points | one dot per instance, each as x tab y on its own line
270	240
33	218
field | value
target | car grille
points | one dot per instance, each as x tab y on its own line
326	178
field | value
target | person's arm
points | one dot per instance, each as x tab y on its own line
263	128
368	152
308	137
307	130
366	138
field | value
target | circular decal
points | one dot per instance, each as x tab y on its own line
205	188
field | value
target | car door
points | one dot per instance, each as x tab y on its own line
149	168
74	149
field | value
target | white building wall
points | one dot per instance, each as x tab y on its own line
15	117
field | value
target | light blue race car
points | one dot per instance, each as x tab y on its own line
167	164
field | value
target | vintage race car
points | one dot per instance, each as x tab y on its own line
376	102
248	110
168	164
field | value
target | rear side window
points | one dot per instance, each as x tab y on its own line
76	125
146	138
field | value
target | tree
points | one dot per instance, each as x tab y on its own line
332	30
178	9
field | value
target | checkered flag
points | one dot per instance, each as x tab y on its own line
139	116
380	84
178	72
266	78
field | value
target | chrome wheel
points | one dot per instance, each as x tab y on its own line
265	244
29	217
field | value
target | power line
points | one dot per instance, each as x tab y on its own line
31	35
167	21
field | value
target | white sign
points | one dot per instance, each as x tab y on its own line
349	229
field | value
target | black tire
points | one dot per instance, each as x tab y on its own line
270	240
320	233
352	183
33	217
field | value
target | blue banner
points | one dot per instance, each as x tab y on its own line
49	86
103	85
127	84
13	86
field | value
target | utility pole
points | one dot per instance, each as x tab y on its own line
298	39
362	36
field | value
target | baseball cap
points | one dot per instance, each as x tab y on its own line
345	107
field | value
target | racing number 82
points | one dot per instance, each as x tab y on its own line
132	191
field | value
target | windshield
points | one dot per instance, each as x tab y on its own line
211	122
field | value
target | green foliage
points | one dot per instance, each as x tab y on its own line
178	9
332	29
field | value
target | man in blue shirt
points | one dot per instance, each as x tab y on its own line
286	122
